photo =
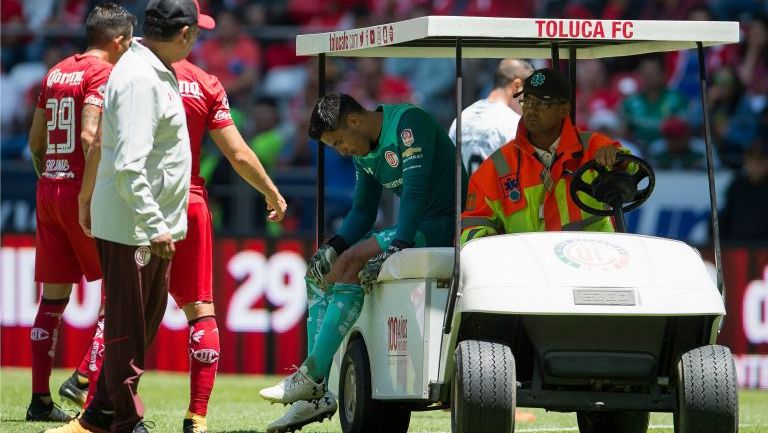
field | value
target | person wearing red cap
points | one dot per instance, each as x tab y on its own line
138	201
62	133
191	285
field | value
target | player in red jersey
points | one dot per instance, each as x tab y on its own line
191	282
206	106
63	128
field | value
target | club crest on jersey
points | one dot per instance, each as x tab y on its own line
142	256
391	158
407	137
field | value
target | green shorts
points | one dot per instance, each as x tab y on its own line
431	233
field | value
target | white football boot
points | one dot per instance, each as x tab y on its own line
298	386
305	412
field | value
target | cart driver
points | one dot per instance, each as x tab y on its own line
398	147
524	185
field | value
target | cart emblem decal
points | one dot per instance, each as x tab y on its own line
591	254
407	136
537	80
391	158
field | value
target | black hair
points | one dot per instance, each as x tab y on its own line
106	22
331	112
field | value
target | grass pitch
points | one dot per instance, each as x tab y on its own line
236	408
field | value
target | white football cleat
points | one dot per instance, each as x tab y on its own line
305	412
298	386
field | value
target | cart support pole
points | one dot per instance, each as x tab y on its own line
454	290
320	192
555	49
710	170
572	78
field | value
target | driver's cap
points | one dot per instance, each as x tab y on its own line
177	13
547	84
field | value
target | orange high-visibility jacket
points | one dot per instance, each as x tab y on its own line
507	193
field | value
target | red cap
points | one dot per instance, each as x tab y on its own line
204	21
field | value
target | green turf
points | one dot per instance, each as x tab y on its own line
236	407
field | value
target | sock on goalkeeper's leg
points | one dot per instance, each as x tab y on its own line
317	304
345	306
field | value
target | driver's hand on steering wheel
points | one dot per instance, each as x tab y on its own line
606	156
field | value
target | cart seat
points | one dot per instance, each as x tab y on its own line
418	263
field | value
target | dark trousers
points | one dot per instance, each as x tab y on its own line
136	288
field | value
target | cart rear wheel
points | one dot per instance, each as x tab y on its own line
358	412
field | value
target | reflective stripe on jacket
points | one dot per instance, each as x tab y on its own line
507	194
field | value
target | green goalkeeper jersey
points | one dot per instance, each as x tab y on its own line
414	158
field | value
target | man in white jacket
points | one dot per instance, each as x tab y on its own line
139	204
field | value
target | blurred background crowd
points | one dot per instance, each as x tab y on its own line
651	103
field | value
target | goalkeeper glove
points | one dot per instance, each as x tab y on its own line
321	262
370	272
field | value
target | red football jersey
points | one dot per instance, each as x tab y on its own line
206	106
66	88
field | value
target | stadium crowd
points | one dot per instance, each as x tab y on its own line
650	103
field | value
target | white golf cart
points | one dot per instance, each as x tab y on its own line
609	325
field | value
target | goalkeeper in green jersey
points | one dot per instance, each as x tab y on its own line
399	147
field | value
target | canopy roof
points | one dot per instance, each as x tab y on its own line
436	36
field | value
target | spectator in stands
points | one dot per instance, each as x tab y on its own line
644	111
268	141
432	81
607	122
232	56
754	65
12	20
746	205
683	66
668	9
678	149
593	90
621	9
370	85
734	122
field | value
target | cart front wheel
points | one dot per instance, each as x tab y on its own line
707	400
483	388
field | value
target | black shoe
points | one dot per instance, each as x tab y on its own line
39	411
195	424
95	418
143	426
72	391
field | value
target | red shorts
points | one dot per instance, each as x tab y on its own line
192	265
64	253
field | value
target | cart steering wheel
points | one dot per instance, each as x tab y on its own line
616	188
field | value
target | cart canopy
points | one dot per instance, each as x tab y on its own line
481	37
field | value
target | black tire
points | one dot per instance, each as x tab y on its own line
483	388
358	412
613	422
707	399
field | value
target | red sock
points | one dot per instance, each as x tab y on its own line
43	336
203	362
95	358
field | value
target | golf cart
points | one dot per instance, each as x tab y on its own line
611	326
